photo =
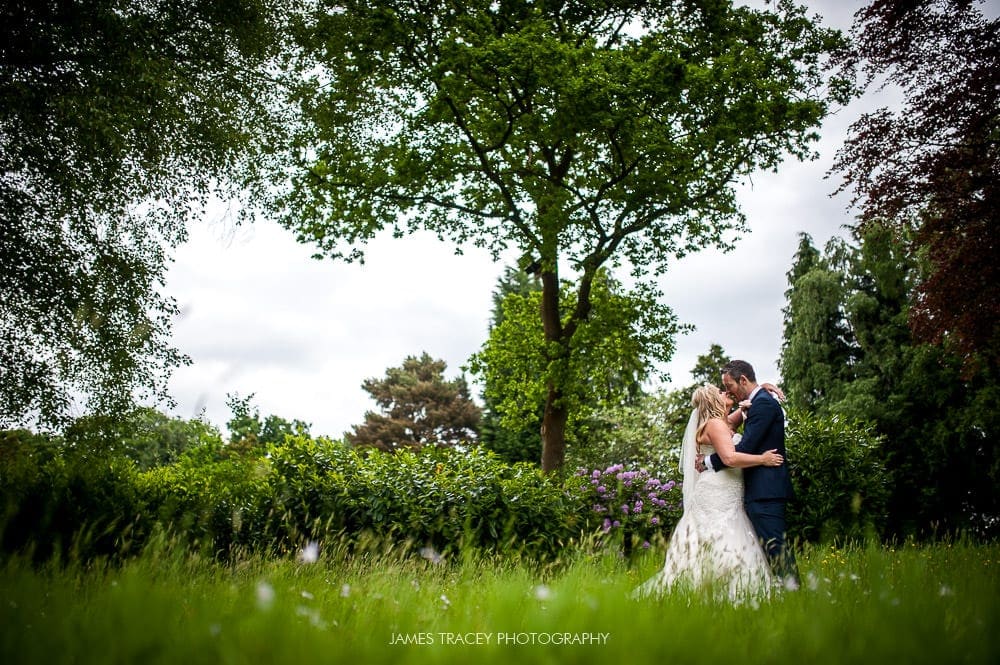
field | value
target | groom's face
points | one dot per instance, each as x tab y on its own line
734	388
727	400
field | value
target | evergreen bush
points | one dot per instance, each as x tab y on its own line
841	484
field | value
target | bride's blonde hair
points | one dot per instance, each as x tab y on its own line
707	399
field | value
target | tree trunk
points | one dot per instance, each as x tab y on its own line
554	419
553	433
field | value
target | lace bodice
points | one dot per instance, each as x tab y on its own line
720	490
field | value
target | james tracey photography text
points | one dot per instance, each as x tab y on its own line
499	639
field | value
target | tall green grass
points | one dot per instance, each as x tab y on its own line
911	604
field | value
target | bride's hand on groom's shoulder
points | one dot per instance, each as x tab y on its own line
777	392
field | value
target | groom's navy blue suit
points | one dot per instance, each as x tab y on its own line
766	489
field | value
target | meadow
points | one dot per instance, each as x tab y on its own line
907	604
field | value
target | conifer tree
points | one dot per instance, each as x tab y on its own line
419	407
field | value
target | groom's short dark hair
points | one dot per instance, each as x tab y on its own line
738	368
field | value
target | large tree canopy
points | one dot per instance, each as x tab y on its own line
580	133
118	121
934	164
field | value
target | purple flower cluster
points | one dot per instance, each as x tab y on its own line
632	501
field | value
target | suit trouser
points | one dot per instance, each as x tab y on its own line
768	519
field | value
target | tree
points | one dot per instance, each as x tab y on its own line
915	393
118	122
513	443
552	128
818	349
248	434
625	333
934	164
145	436
927	414
419	408
708	367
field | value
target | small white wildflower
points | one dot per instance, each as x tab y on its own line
312	615
307	595
265	595
431	555
946	590
345	591
542	592
309	553
445	601
812	581
415	584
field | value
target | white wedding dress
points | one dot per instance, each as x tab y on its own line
713	547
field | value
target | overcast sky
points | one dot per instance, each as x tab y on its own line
260	316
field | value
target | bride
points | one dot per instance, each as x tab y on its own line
714	545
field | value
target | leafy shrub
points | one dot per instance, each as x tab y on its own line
57	500
317	489
841	486
220	505
435	497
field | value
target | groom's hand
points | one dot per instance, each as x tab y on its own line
699	463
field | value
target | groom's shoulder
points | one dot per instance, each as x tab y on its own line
764	398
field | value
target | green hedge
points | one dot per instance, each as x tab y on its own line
303	490
440	498
56	500
59	500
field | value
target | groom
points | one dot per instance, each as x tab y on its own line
766	489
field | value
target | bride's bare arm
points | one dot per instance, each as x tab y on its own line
774	390
721	438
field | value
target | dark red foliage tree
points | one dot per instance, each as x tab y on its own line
934	165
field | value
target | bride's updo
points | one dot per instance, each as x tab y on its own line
708	401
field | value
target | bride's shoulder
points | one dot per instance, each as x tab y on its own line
714	427
716	424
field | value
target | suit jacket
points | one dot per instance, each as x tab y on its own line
763	430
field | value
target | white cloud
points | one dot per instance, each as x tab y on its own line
260	316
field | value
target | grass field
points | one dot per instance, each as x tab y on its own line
910	604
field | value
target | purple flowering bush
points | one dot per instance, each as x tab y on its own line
632	507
